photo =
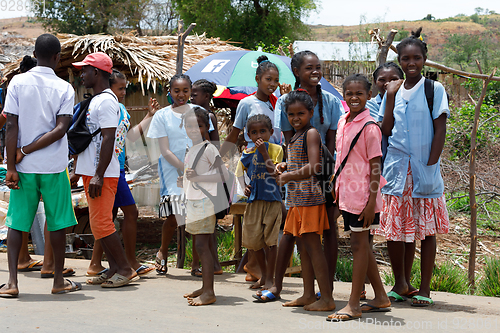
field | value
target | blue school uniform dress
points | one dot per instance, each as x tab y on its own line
167	123
250	106
332	111
374	105
123	195
410	143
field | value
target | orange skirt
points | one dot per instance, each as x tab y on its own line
301	220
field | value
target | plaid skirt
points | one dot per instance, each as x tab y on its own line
405	219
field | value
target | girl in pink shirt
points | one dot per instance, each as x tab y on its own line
357	193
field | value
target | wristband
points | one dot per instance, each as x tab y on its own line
22	151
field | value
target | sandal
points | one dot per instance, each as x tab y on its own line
162	270
196	272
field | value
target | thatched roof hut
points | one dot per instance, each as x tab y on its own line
147	60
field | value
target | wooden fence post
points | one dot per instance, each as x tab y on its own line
472	183
180	44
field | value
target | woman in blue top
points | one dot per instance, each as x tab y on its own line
124	199
173	141
414	202
327	112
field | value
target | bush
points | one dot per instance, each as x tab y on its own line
459	128
489	284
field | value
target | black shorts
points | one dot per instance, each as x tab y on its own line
351	222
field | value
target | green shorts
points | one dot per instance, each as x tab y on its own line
55	190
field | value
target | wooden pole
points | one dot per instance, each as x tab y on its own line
472	183
384	47
180	44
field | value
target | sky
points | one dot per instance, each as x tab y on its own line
342	12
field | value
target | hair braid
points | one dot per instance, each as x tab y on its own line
320	103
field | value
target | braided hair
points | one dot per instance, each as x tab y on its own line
357	78
206	86
177	77
200	114
299	96
388	65
296	62
414	39
264	65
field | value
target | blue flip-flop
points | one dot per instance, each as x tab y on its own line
270	297
396	296
421	298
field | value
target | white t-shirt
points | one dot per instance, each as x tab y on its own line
103	112
205	166
406	93
38	97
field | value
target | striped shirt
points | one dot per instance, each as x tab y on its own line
304	192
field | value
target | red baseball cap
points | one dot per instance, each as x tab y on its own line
98	60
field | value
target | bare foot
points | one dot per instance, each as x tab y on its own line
345	314
203	299
321	305
8	290
31	265
250	278
301	301
257	285
95	270
194	294
253	271
381	302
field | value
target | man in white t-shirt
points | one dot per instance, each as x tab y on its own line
39	107
100	169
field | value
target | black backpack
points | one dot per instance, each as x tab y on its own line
79	136
429	96
222	204
327	169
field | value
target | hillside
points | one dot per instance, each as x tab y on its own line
21	26
435	32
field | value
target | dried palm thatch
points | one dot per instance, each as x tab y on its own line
147	60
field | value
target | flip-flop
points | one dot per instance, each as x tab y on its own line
318	295
336	320
118	280
218	272
96	274
421	298
66	273
411	293
362	297
32	266
100	279
396	296
74	286
270	297
163	265
196	272
143	270
8	295
373	308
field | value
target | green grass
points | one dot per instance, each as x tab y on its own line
489	284
446	277
344	269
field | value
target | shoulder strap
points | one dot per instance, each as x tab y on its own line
353	143
205	192
429	94
198	155
304	143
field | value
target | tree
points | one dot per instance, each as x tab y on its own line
247	21
429	17
82	17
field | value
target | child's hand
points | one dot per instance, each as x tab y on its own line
280	168
191	174
248	190
392	87
368	214
261	146
285	88
153	106
19	155
180	181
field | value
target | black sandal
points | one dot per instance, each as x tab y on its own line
196	272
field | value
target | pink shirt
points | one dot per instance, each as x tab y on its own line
352	186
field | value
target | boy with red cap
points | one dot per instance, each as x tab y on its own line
99	166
